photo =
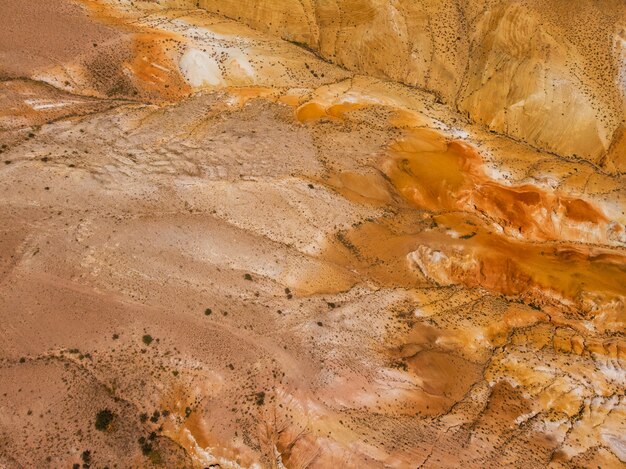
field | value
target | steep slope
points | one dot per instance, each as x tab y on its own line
497	61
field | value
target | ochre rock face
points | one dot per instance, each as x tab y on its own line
403	245
495	61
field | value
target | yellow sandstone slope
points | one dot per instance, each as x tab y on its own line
551	73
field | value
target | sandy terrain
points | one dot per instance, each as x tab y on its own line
219	249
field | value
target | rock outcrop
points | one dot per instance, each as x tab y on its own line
497	61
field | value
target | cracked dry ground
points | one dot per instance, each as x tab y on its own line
218	250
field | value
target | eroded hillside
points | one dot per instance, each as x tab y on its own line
220	249
496	61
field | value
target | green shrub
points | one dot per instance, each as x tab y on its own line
104	419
